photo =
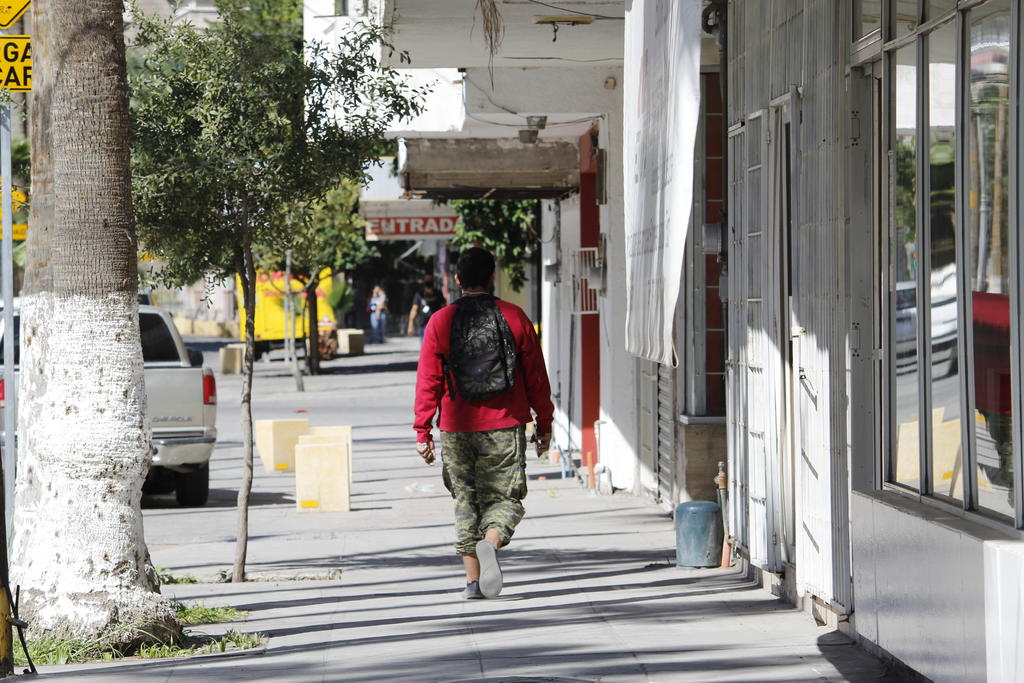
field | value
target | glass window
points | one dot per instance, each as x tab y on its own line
157	342
905	15
17	340
936	8
904	255
988	251
942	279
867	17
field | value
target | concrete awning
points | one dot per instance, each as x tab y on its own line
477	168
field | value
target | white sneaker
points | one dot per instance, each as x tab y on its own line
490	570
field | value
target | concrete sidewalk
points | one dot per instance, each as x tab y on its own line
591	592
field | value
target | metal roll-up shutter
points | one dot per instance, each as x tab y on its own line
666	436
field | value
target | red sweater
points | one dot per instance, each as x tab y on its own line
531	388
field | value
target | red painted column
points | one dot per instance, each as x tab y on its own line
590	324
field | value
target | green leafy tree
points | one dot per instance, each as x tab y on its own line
329	237
508	228
281	18
232	128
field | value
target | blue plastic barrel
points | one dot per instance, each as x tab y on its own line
699	534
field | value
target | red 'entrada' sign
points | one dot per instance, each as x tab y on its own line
398	227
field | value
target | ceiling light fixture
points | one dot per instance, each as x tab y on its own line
534	124
554	21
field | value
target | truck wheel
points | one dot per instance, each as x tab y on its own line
192	489
260	349
159	481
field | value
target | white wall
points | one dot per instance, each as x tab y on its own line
443	110
593	94
619	384
557	335
940	593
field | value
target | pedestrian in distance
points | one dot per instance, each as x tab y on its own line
427	301
378	307
481	366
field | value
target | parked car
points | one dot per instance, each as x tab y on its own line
181	398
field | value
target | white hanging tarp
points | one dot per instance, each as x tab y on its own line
661	107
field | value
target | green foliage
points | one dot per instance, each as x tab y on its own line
21	163
233	129
341	298
326	234
166	577
189	615
506	227
281	18
51	651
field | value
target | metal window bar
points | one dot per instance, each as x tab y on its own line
586	280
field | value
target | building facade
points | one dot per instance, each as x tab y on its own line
789	243
874	294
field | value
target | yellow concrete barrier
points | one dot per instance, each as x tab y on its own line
230	358
207	328
350	342
184	325
336	434
322	477
276	441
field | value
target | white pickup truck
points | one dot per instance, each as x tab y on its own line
181	396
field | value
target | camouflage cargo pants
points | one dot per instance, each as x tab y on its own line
486	475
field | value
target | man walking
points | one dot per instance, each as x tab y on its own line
482	367
427	301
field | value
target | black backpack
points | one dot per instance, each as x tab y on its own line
481	360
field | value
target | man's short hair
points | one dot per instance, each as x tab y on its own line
475	267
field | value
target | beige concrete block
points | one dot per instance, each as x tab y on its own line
908	451
230	358
184	325
350	341
330	434
946	458
322	477
276	441
207	328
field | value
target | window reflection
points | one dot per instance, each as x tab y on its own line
867	17
906	468
946	443
987	129
936	8
904	17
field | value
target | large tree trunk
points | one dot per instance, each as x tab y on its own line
248	276
78	551
313	333
37	259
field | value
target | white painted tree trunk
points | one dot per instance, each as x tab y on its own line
84	448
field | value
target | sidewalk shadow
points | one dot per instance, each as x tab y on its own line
857	665
219	498
399	366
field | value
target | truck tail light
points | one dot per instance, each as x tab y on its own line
209	390
3	395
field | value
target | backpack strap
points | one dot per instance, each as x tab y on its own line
447	371
500	324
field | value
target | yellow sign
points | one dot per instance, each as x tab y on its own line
11	11
15	61
18	200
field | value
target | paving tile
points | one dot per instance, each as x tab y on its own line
590	590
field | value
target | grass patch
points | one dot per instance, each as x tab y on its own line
190	615
56	651
166	577
202	645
